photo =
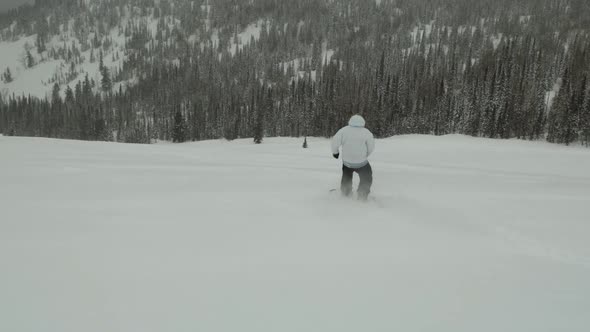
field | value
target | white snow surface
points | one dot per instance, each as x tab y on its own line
34	81
38	81
252	31
464	234
496	40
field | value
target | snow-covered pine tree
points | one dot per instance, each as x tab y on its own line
7	76
29	60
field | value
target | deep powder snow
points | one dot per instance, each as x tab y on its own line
464	234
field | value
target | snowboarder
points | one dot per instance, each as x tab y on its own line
357	144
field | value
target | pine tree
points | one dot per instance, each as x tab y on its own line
98	130
55	96
7	77
540	113
40	43
585	123
447	81
86	89
78	91
259	126
560	115
179	129
105	81
69	99
30	61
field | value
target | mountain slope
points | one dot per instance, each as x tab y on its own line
465	235
501	69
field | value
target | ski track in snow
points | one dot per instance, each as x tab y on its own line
464	234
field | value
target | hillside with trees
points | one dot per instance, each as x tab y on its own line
144	70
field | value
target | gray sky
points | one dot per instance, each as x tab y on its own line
8	4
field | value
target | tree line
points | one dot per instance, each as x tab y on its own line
504	69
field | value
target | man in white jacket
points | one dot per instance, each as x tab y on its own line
357	144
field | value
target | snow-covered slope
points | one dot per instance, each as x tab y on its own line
38	79
465	235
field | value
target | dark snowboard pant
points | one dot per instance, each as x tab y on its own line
365	174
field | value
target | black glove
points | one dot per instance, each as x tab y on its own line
336	155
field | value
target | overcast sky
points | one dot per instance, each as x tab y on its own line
8	4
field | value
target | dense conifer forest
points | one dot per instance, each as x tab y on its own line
186	70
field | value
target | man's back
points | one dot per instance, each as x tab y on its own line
357	143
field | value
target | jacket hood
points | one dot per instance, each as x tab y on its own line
356	121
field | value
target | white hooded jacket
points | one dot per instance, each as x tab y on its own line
357	143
